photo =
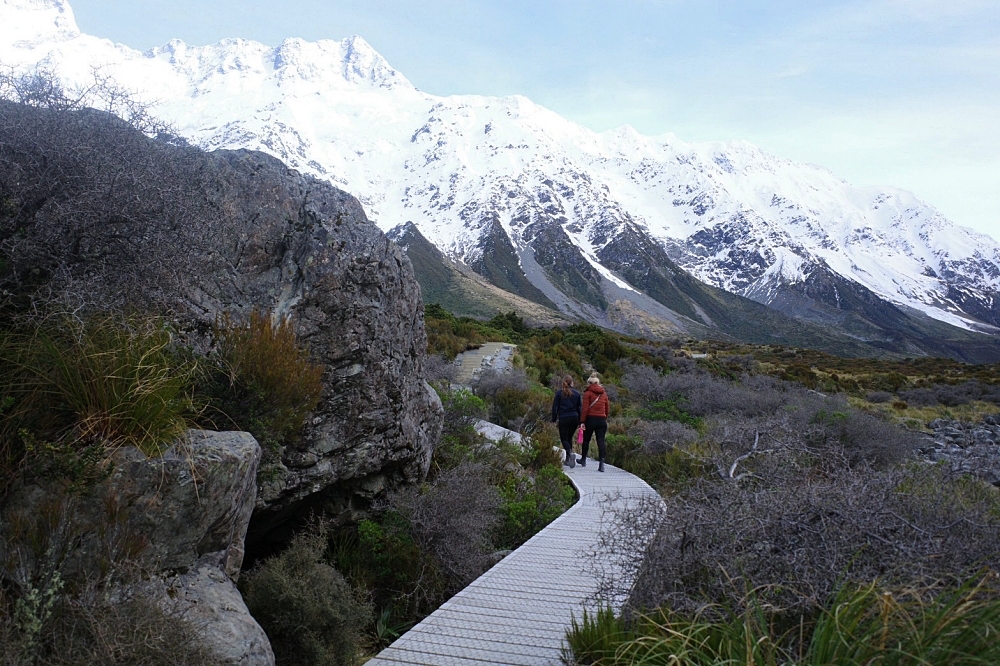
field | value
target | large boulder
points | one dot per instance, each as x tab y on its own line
128	221
180	519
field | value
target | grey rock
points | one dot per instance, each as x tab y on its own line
208	598
195	235
164	513
181	518
967	448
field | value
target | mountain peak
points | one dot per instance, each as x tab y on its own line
26	23
362	63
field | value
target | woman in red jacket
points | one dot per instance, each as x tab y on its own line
595	418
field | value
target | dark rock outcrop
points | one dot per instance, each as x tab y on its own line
967	448
96	214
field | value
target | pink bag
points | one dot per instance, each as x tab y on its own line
579	435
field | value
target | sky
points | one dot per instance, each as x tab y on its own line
903	93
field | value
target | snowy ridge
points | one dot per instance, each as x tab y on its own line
732	215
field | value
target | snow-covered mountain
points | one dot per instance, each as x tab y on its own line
540	205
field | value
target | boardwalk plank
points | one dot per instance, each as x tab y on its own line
517	613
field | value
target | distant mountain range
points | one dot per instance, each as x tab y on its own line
649	235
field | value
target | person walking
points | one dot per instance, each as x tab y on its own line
596	408
567	406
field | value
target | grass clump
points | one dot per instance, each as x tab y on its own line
265	383
74	389
311	615
862	625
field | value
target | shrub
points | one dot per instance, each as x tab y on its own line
669	410
459	439
513	402
267	385
437	370
697	393
919	397
879	397
452	520
793	534
531	503
89	630
666	469
309	612
662	436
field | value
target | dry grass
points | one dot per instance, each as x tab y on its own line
270	384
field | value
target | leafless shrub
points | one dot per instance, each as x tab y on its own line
42	88
491	382
744	363
96	214
879	397
661	436
702	394
88	630
628	526
452	519
794	542
952	395
438	369
792	538
820	427
920	397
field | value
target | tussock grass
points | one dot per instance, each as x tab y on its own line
863	625
70	385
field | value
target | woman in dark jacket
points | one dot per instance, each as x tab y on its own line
595	418
566	410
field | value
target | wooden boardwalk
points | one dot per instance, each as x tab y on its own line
517	613
496	355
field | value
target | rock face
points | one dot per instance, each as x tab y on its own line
969	448
207	597
181	518
149	223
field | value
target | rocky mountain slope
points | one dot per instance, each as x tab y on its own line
544	208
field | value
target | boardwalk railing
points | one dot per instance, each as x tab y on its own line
518	612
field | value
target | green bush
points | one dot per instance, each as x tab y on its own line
530	503
266	384
309	612
669	410
668	470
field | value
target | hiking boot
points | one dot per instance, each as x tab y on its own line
571	458
600	466
583	461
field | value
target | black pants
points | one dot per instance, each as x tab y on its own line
596	425
567	428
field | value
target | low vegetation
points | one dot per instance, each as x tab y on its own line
797	527
260	380
312	616
75	389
